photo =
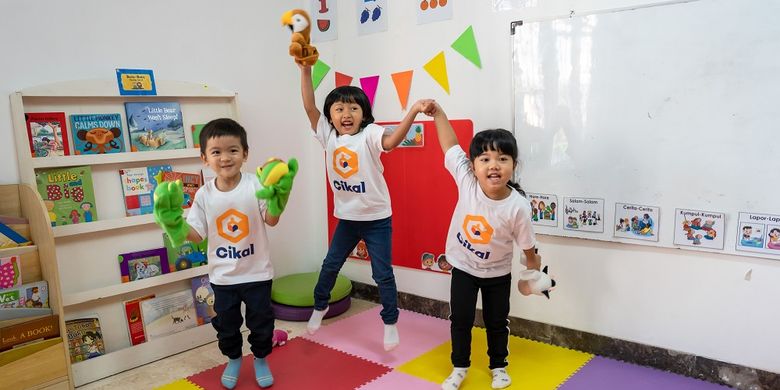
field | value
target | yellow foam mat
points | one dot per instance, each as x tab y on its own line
181	384
532	365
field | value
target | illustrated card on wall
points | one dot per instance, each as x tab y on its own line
583	214
360	252
544	209
324	19
698	228
155	126
415	137
429	11
430	262
97	133
759	233
635	221
371	16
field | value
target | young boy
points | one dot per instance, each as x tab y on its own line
227	212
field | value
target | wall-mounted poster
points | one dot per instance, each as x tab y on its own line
583	214
544	209
635	221
429	11
698	228
759	233
324	19
371	16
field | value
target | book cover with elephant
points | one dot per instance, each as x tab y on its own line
67	194
97	133
155	126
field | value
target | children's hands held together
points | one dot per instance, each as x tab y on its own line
168	211
276	177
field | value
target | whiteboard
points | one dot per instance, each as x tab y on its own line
672	106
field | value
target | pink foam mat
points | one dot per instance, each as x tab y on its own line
395	380
362	335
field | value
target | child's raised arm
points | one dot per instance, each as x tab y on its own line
390	141
447	137
307	93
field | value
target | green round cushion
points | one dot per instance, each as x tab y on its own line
298	289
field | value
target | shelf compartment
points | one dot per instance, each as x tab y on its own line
18	250
113	158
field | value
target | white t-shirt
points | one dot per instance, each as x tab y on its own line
233	222
482	231
355	172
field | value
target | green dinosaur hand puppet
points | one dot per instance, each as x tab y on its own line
168	199
276	177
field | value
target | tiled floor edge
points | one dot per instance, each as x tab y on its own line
711	370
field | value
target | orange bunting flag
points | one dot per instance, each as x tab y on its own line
403	83
342	79
437	68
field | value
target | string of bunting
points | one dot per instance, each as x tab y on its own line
465	45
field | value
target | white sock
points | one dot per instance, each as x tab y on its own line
391	337
316	320
500	378
455	379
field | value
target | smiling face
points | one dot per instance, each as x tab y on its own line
346	117
225	156
493	171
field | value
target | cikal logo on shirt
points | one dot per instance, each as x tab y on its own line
233	226
345	164
477	231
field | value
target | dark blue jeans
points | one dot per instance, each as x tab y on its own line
378	237
259	317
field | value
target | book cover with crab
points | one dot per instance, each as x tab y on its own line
67	194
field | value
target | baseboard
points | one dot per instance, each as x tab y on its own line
734	375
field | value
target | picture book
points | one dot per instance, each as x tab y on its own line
67	194
29	331
203	295
188	255
10	236
696	228
47	134
85	339
135	323
10	272
196	134
583	214
544	209
29	295
168	314
97	133
759	233
635	221
190	182
155	126
138	186
143	264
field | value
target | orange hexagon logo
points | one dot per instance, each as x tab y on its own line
233	225
477	229
345	162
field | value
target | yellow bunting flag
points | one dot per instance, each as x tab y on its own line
437	68
403	82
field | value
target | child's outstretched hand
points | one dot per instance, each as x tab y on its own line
276	177
168	200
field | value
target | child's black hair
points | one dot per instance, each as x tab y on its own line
350	94
498	140
219	128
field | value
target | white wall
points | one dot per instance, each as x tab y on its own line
692	302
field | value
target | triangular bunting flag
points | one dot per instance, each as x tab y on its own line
437	68
369	85
318	73
466	45
342	79
403	82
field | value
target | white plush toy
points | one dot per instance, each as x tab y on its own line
534	282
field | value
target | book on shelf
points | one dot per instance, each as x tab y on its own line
97	133
188	255
29	331
135	322
196	134
85	338
10	272
10	235
168	314
155	126
203	295
190	184
25	350
47	134
138	186
28	295
143	264
67	194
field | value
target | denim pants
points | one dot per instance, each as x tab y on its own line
495	313
259	317
378	236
